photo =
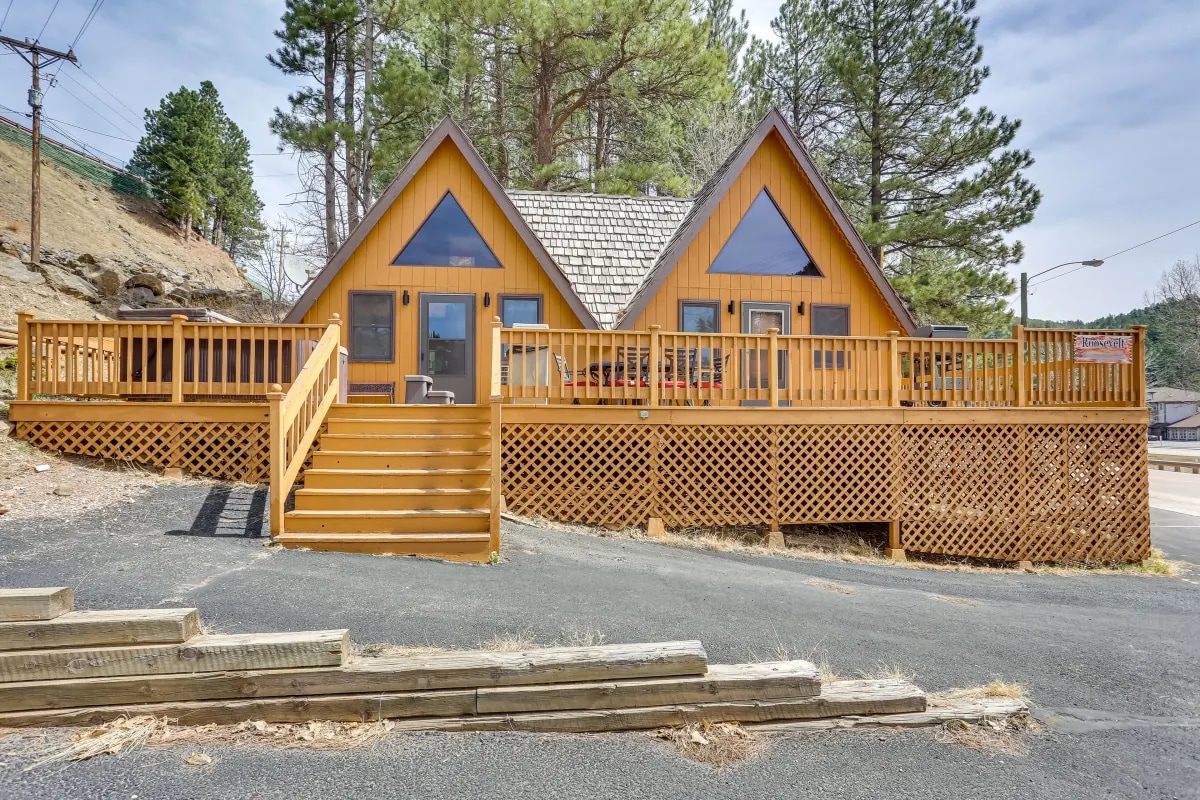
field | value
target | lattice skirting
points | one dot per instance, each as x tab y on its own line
236	451
1042	492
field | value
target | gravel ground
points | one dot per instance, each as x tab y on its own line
1110	660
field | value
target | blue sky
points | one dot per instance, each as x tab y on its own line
1106	89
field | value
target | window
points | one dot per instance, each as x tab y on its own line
699	316
763	243
830	321
447	238
372	326
520	309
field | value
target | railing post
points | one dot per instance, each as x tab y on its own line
1139	365
1018	334
25	354
894	374
773	366
335	321
655	360
278	458
177	350
494	391
495	495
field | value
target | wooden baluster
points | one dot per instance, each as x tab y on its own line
654	358
177	350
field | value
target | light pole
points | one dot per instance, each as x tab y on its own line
1091	262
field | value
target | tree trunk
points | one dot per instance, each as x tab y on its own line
499	110
349	127
876	137
364	145
543	135
330	179
599	154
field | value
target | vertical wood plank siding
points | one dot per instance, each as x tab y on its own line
369	268
846	281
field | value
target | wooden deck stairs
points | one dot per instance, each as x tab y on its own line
399	479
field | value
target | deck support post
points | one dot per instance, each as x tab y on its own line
1139	366
278	458
655	365
894	550
775	537
773	366
894	373
24	354
1018	333
655	528
177	351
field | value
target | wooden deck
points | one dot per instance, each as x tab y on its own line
1004	449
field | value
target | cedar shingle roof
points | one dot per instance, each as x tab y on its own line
605	244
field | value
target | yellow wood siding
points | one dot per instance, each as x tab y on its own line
369	268
846	280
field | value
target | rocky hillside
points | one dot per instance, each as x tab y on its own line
102	250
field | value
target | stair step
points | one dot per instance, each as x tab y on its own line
403	442
372	427
317	499
381	460
380	411
448	546
391	521
477	478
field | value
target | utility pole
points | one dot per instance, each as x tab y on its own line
37	57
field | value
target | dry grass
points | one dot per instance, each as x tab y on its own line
512	642
997	688
718	745
830	586
785	652
995	737
12	227
862	544
130	733
958	601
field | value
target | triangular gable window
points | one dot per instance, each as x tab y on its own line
447	238
763	243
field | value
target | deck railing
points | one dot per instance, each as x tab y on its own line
174	360
298	414
1034	368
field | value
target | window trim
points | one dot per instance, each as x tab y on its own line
541	304
714	304
350	295
812	308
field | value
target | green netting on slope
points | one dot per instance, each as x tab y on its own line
94	171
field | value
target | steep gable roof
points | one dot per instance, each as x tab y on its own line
447	129
715	189
605	244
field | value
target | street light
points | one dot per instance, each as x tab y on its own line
1091	262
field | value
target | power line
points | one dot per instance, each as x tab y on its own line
1155	239
1118	253
103	102
94	111
87	21
47	22
89	130
89	76
2	21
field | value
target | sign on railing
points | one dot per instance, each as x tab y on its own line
1103	348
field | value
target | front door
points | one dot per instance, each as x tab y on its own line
446	343
758	318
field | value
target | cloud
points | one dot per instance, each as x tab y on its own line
1105	90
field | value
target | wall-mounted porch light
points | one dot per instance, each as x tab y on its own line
730	308
487	299
404	297
800	308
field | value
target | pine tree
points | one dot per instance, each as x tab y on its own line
881	91
312	40
178	155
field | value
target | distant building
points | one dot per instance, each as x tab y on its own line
1174	413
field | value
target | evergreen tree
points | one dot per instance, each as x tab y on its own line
880	89
312	41
178	155
198	161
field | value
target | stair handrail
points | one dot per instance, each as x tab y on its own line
495	455
297	416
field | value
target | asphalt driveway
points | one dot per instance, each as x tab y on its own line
1113	658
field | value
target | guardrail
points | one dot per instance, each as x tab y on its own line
1175	464
1034	368
297	416
175	361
